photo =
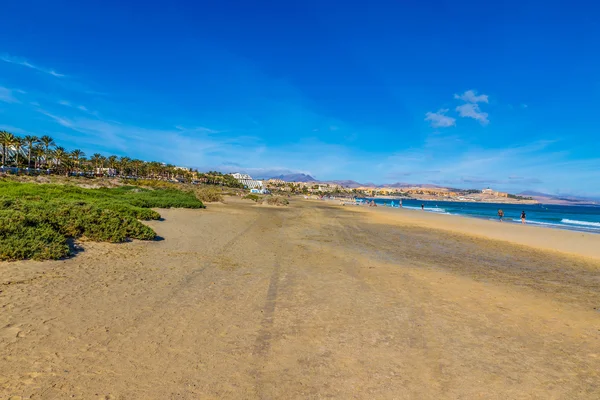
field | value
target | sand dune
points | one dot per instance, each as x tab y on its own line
313	300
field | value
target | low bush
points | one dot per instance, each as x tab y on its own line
153	183
37	220
276	201
253	197
209	194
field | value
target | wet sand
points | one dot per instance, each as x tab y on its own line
309	301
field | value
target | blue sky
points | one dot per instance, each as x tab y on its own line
462	94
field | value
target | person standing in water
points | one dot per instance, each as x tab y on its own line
500	215
422	206
523	217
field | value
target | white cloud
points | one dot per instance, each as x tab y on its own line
470	96
20	61
439	119
67	103
62	121
7	95
471	110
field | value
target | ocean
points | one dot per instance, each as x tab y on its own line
577	218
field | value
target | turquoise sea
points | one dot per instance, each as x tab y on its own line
579	218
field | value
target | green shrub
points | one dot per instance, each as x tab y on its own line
22	238
37	220
253	197
276	201
209	194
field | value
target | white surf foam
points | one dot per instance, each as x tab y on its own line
429	209
583	223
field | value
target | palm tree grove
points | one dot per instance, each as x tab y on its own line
32	155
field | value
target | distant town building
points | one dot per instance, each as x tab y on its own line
247	181
487	191
183	169
106	171
239	176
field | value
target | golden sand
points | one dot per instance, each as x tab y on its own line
309	301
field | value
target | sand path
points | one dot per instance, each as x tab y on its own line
310	301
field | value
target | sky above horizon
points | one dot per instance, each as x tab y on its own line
462	94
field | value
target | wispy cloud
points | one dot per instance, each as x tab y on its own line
470	96
439	119
7	95
79	107
471	110
23	62
60	120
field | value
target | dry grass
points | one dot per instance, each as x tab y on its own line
209	194
275	201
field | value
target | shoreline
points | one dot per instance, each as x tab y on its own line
569	225
485	201
567	241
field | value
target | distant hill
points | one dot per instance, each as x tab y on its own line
559	199
535	194
347	183
397	185
295	178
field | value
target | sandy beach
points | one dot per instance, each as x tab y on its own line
314	300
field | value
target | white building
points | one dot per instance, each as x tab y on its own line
487	191
247	181
106	171
239	176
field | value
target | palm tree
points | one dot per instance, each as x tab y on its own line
4	143
60	154
47	141
77	155
112	161
18	144
30	140
96	160
102	161
136	164
37	152
8	142
124	164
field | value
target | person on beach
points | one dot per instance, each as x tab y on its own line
423	207
523	217
500	215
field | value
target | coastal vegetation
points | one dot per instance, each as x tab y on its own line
269	200
276	201
32	154
254	197
209	194
41	221
50	196
517	197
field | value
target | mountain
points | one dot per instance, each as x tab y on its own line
535	194
559	199
400	185
295	178
347	183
